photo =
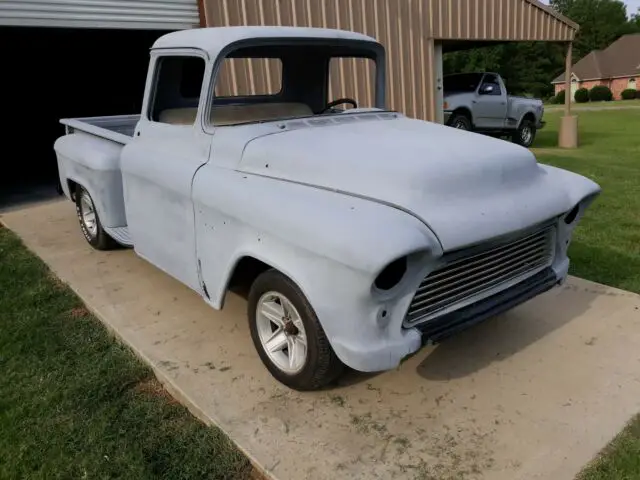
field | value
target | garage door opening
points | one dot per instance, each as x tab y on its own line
52	73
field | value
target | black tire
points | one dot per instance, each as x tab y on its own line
525	134
460	121
100	240
322	366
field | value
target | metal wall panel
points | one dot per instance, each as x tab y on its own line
123	14
497	20
407	28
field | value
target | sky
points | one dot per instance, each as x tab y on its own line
632	5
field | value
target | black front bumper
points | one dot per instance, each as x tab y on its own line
434	331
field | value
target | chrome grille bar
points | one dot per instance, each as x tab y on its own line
481	257
469	276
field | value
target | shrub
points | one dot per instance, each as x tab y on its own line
559	98
638	94
600	93
629	94
581	95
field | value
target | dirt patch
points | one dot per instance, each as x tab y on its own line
153	388
59	284
78	312
557	151
255	474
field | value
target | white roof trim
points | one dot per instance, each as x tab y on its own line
214	39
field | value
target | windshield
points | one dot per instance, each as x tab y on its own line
463	82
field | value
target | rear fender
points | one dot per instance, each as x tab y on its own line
93	163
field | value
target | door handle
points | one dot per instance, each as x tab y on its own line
474	101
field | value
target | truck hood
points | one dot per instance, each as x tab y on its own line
464	186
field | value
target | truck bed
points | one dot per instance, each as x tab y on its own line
118	128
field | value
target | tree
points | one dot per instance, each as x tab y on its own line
529	67
601	22
635	21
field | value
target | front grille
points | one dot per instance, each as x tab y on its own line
467	277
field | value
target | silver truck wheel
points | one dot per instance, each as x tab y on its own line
90	221
88	214
526	134
281	332
288	336
460	121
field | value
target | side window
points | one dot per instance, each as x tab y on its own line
491	80
247	77
177	90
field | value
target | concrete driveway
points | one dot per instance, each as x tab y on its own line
531	394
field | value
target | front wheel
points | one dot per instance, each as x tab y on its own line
460	121
288	336
90	221
525	134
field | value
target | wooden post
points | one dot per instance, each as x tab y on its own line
568	137
202	14
567	81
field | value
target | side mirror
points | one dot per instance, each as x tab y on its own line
486	89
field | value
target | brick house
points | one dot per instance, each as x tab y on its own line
617	67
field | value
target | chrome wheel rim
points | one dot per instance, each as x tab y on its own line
281	332
88	214
460	125
525	135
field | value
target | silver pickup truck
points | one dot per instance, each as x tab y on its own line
479	102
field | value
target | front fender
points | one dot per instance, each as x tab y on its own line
356	232
330	244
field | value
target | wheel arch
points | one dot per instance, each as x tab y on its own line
528	115
243	270
466	111
73	183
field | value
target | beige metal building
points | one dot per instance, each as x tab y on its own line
414	32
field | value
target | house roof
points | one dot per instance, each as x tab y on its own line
620	59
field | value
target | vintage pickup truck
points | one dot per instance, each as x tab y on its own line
479	102
359	234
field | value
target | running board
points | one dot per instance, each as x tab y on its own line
120	235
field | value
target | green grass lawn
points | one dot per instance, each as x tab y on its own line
76	404
606	245
579	106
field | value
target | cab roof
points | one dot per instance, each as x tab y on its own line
214	39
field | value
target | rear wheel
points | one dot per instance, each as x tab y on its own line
90	221
288	336
460	121
525	134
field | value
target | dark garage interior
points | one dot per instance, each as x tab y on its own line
53	73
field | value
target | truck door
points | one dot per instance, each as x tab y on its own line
159	164
490	109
